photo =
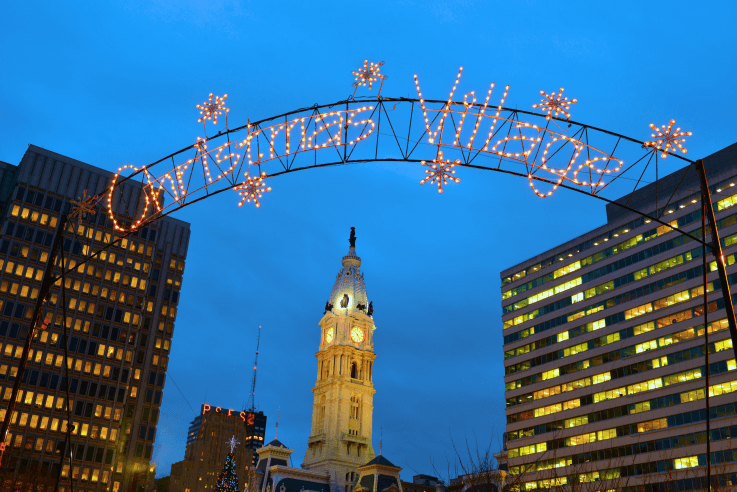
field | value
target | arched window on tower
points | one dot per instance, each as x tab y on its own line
354	370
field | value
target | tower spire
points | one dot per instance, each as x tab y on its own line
381	438
276	436
352	239
252	397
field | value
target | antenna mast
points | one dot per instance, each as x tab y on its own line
251	398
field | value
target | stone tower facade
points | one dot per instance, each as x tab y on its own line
342	413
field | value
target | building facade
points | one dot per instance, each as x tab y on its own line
342	413
207	448
604	348
121	309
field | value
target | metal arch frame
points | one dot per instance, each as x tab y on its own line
381	102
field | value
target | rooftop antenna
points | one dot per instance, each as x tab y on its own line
251	398
276	436
381	438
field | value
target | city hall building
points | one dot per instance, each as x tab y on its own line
120	313
604	350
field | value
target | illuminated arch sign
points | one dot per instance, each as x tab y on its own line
349	131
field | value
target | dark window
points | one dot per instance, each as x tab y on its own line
152	290
98	455
149	449
49	239
54	381
39	238
152	236
154	416
4	247
108	456
9	229
82	346
105	332
118	315
111	393
160	382
73	385
8	311
93	389
73	344
103	391
88	410
90	453
79	409
152	378
96	329
157	398
139	450
116	374
83	388
30	196
29	234
109	315
114	334
20	231
79	451
124	376
142	432
149	395
20	192
44	380
57	205
92	348
19	310
34	378
151	433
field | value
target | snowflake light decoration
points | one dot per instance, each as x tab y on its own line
440	172
83	206
667	139
212	109
553	103
232	442
252	188
367	75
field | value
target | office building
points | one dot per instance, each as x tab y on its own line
121	308
604	348
207	448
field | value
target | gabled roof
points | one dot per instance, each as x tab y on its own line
380	460
277	444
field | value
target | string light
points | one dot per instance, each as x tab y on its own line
83	206
252	188
440	172
555	104
140	219
368	74
668	139
466	105
210	110
439	129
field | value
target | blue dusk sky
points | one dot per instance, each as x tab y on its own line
114	83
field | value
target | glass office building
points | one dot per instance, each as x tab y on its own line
604	348
121	308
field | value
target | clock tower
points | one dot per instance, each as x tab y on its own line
342	412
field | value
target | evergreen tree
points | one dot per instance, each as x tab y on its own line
228	479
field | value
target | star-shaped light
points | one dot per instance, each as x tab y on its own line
212	109
368	74
83	206
232	442
252	188
668	139
555	104
440	171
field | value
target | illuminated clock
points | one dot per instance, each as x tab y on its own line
329	335
357	335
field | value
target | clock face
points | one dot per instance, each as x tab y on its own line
329	335
357	335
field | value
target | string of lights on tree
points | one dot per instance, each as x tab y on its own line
231	161
228	478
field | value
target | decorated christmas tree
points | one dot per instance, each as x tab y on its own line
228	479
